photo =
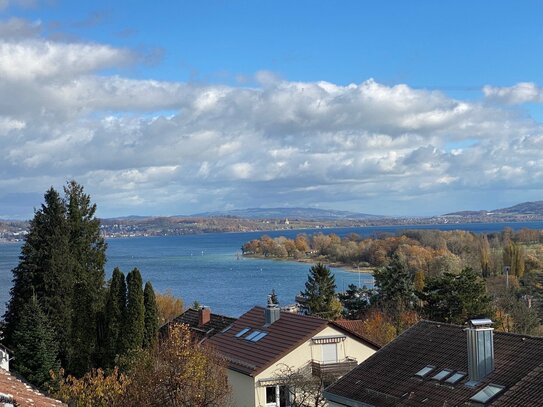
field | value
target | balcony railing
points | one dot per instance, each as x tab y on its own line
335	369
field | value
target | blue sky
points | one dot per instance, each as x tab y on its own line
390	107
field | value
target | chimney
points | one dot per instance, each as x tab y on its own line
480	350
272	312
204	315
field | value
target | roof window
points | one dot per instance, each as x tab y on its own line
259	336
424	371
441	375
242	332
455	378
487	393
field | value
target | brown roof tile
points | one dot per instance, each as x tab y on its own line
283	336
190	317
387	378
24	394
355	327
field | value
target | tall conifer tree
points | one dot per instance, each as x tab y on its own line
320	292
36	347
134	323
151	316
43	272
115	314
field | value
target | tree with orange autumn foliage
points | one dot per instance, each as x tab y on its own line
168	307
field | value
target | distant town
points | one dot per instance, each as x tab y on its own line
253	220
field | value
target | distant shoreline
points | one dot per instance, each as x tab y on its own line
338	265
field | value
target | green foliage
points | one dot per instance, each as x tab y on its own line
62	261
134	324
115	314
456	298
396	290
356	301
43	271
35	350
320	293
151	316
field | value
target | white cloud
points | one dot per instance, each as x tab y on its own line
524	92
147	146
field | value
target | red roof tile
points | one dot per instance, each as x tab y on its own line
24	394
355	327
283	336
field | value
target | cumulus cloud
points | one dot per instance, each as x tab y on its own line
524	92
156	147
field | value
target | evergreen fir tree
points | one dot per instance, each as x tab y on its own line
134	323
320	292
115	314
35	350
87	252
151	316
43	271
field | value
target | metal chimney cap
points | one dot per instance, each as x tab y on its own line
480	322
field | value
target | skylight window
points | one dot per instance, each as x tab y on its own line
424	371
259	336
252	335
487	393
455	378
441	375
242	332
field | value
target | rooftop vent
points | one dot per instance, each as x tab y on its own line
480	337
272	312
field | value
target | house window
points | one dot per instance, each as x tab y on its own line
329	353
277	396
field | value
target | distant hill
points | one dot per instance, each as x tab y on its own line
525	208
290	213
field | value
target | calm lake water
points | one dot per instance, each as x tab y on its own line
207	267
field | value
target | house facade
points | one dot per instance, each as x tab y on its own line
264	342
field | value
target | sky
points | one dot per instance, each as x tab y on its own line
400	108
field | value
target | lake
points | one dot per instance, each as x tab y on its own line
207	267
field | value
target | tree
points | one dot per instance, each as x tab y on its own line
134	324
455	298
304	388
115	315
320	293
94	389
87	260
396	290
168	307
36	349
150	317
177	372
355	300
43	272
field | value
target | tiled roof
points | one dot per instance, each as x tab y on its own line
215	325
388	377
23	394
355	327
283	336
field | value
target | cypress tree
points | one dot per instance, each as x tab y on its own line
134	323
35	349
115	314
151	316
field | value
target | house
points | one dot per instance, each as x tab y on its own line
440	365
4	358
15	392
202	323
265	340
